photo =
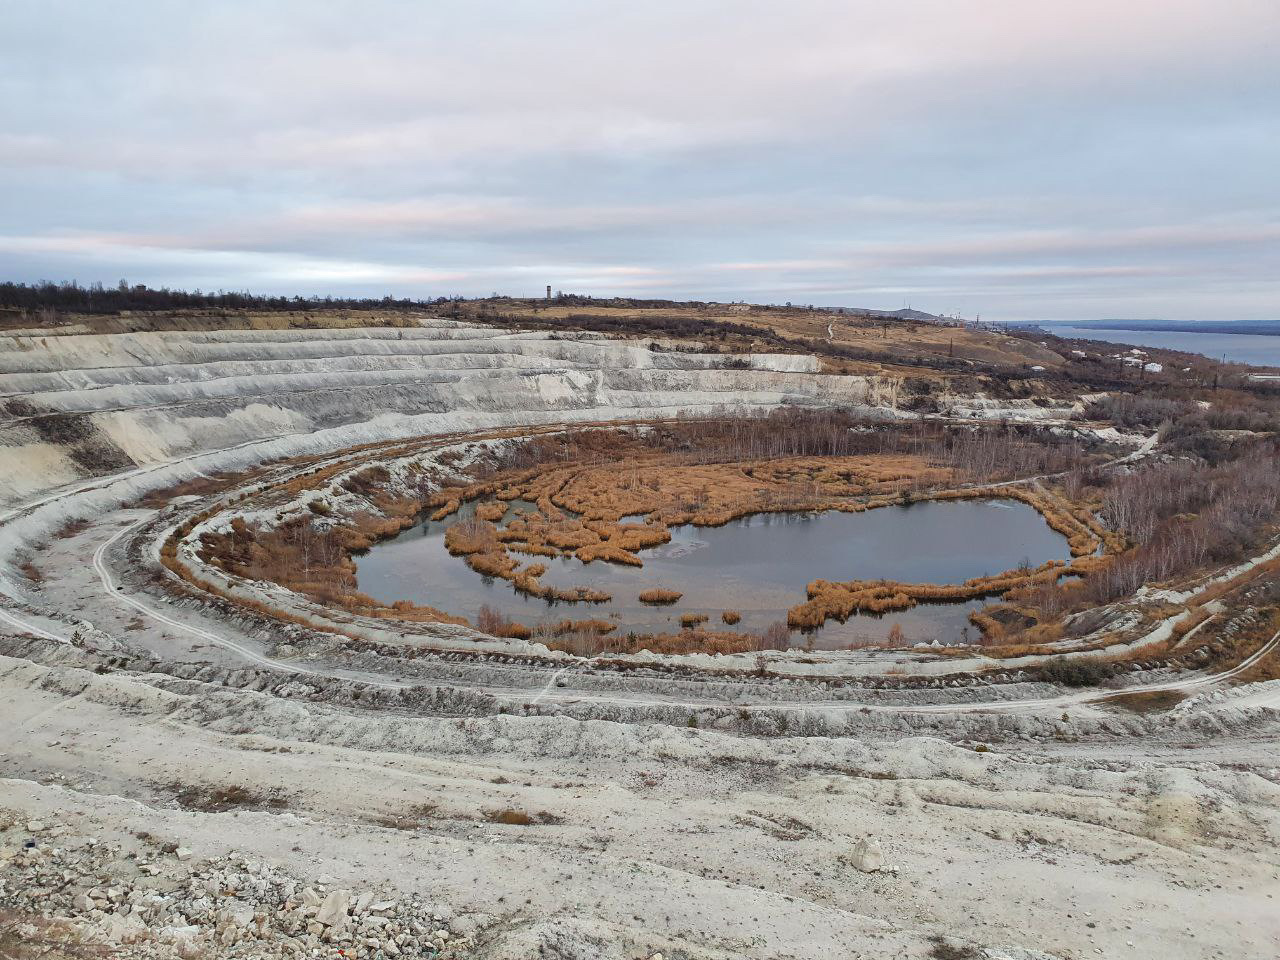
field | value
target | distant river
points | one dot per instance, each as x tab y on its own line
1256	349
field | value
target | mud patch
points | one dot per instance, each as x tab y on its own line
207	799
1146	702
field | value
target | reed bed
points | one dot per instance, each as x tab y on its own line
659	596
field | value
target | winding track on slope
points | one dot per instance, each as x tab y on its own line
1198	683
549	693
297	378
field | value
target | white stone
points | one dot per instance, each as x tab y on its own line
36	826
178	934
182	853
867	855
240	913
113	927
334	909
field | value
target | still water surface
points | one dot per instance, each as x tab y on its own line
759	566
1255	349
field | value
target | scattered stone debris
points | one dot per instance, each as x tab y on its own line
182	907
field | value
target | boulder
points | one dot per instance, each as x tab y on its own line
334	909
867	855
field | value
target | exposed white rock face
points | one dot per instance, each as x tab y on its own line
72	406
153	409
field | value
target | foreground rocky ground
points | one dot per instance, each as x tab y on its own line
182	818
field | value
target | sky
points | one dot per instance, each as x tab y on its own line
1014	159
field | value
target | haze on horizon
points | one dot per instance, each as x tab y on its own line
1055	160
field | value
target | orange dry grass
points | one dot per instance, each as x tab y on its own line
1220	590
839	601
566	626
579	511
609	552
1198	615
658	596
449	508
492	511
316	564
669	492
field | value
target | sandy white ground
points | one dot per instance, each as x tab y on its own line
678	838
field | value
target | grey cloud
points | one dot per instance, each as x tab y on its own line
1013	158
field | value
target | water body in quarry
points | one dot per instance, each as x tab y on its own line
759	566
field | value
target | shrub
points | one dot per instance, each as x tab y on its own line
659	597
730	617
693	619
776	636
512	818
943	949
490	621
1081	672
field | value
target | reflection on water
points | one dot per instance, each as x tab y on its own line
759	566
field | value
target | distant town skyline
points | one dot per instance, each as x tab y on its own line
1023	161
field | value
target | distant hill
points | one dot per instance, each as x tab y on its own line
1266	328
904	314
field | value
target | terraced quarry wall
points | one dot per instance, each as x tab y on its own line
151	409
241	738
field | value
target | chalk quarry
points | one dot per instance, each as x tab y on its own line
204	766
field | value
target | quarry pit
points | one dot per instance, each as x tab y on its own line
193	658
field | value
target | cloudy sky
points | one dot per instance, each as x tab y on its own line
1022	159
